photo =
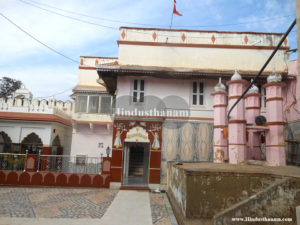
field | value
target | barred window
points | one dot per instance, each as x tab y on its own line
262	91
93	104
138	91
198	93
105	105
81	103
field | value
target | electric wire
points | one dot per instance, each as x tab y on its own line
48	47
104	26
156	25
135	31
37	40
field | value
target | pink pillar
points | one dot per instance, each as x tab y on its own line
237	122
275	146
252	101
220	122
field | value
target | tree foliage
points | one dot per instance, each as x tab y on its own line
8	86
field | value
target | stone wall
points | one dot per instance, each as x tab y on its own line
200	194
277	201
292	137
187	142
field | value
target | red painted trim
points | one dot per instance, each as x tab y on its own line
53	179
87	68
281	84
252	107
199	31
237	121
274	99
275	123
164	44
220	106
34	117
220	126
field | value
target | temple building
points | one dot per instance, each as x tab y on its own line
162	83
165	98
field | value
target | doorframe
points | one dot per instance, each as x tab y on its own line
126	156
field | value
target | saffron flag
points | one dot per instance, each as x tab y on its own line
175	11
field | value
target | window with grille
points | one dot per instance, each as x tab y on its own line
93	104
138	91
198	93
105	107
81	103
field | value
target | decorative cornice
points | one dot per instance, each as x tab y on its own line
164	44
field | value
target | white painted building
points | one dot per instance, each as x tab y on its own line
33	125
91	118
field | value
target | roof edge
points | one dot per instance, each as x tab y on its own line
201	31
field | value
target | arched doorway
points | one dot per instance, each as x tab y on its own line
136	154
32	143
5	143
7	160
56	149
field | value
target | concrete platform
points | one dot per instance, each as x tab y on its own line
289	171
64	206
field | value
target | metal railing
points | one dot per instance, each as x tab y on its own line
53	163
11	161
69	164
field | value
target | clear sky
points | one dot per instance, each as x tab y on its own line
46	73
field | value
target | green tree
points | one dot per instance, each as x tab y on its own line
8	86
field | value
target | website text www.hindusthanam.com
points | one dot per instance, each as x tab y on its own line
153	112
260	219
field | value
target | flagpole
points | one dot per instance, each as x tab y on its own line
171	20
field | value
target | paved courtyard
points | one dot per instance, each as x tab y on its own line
79	205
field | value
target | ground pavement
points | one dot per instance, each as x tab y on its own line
63	206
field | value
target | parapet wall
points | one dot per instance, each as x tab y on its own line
207	192
52	106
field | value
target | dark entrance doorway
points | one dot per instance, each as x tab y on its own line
135	164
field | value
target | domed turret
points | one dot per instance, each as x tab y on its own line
273	77
253	88
23	93
236	75
219	86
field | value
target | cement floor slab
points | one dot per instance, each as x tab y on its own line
64	206
129	207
